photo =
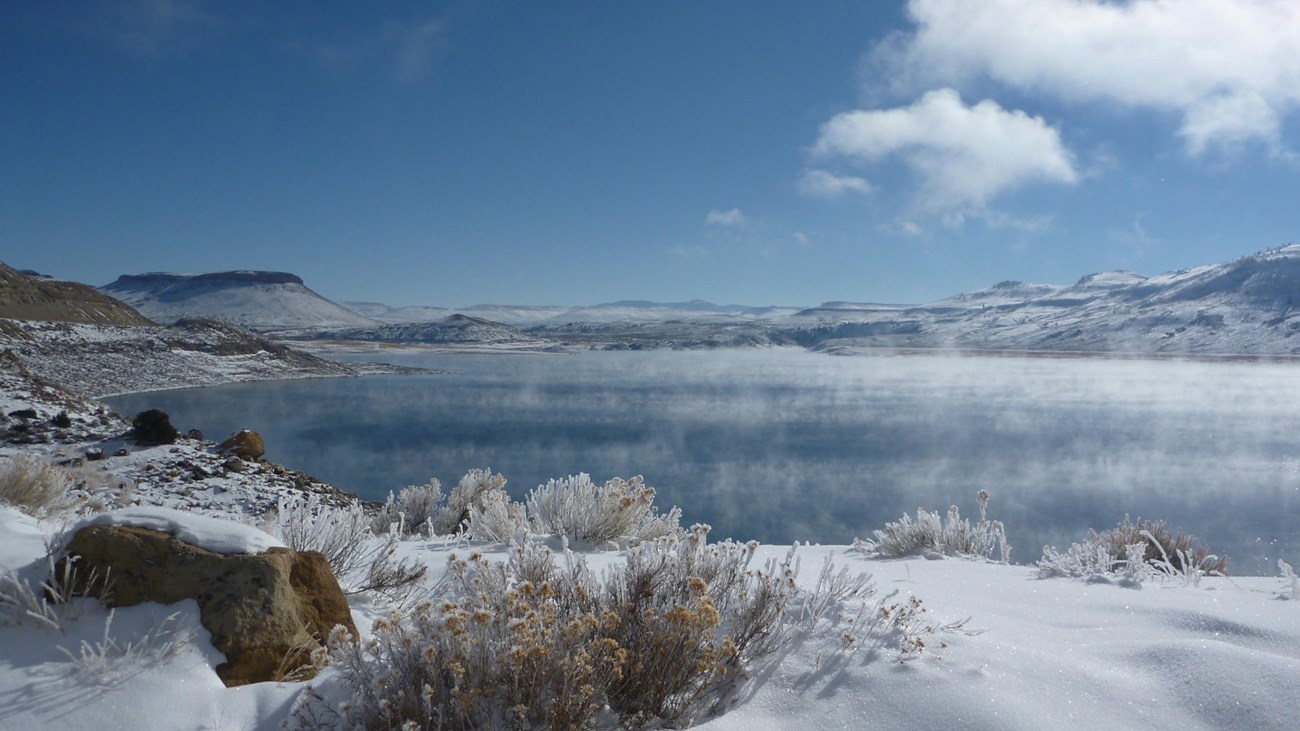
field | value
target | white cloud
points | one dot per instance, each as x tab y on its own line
823	184
1229	67
728	218
964	156
416	47
801	238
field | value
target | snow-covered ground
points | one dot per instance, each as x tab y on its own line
1035	653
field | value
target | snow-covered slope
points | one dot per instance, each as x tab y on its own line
456	329
623	311
1246	306
100	360
260	301
396	315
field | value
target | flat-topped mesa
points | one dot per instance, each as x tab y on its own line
242	275
261	301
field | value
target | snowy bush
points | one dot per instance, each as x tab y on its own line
496	518
622	511
533	642
424	510
1132	552
931	534
1290	584
360	560
412	509
35	487
469	495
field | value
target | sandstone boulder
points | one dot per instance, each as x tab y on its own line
265	611
246	445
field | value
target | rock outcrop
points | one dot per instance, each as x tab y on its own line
245	444
265	611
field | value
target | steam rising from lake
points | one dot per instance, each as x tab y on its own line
784	445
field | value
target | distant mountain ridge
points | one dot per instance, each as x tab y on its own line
1245	306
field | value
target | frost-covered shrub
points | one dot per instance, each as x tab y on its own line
360	560
1290	583
1131	552
35	487
469	495
496	518
1092	562
425	510
622	511
930	533
535	643
412	509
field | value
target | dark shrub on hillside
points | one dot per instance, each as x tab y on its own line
153	427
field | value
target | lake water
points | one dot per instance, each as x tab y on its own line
783	445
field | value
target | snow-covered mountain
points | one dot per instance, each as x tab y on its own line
1246	306
397	315
455	329
264	302
623	311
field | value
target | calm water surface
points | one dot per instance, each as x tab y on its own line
784	445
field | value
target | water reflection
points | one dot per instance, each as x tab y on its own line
785	445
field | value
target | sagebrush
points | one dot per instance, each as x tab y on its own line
620	511
539	641
361	560
931	533
1131	552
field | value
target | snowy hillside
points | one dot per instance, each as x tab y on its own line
1246	306
456	329
624	311
100	360
260	301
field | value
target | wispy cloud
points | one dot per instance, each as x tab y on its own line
963	156
153	27
825	184
731	218
687	251
1135	238
408	49
1230	68
417	45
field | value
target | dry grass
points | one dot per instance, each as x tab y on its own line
35	487
1161	543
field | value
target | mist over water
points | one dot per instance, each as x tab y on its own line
784	445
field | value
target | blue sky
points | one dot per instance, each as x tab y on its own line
574	153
